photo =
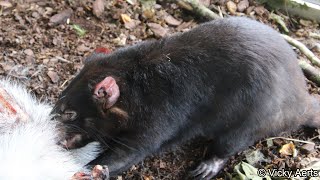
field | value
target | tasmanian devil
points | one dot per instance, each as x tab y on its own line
234	80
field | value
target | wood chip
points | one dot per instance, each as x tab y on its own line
157	29
5	4
60	17
125	18
260	10
53	76
171	20
132	24
83	48
98	7
308	148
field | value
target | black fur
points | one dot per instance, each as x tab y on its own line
234	80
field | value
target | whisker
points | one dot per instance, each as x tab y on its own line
77	128
96	133
123	144
115	140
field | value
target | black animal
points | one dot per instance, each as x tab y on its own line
234	80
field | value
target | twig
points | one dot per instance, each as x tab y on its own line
313	58
220	12
280	21
218	9
313	138
198	8
314	35
62	59
65	82
311	72
290	139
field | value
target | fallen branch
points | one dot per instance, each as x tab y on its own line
313	58
310	72
198	8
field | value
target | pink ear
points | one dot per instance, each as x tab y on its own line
109	90
102	50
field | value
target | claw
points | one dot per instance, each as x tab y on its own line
208	169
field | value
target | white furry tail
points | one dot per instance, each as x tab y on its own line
29	150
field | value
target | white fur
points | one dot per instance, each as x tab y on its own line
29	150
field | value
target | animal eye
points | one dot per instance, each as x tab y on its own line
69	115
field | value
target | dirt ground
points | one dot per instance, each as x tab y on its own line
42	46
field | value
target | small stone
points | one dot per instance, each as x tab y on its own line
132	37
316	47
35	15
121	40
162	165
28	52
243	5
232	7
157	6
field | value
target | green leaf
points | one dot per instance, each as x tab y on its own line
79	30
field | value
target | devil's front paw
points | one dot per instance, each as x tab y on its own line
208	169
97	173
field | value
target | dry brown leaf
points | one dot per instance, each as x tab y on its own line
98	7
157	29
288	149
172	21
125	18
60	17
